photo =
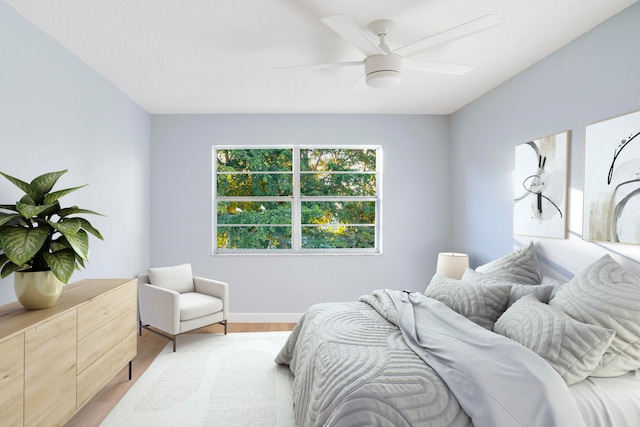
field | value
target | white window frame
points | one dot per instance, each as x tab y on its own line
296	203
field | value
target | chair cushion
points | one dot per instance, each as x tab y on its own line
177	278
194	305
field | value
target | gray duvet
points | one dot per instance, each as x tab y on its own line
353	367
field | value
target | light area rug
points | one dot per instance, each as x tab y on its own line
212	380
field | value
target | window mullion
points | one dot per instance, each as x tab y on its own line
296	219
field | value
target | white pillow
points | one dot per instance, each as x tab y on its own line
177	278
605	294
572	348
519	266
477	302
542	292
557	285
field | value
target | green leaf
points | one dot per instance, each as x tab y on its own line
79	263
29	189
28	200
45	182
29	210
15	220
66	226
9	268
86	225
76	210
7	218
62	264
21	244
53	209
79	242
52	197
60	244
9	207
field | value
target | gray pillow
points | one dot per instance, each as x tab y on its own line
477	302
542	292
519	266
557	285
605	294
572	348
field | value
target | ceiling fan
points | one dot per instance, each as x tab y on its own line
382	66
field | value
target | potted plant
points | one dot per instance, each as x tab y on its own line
41	242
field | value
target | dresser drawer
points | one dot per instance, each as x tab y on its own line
97	343
92	379
101	310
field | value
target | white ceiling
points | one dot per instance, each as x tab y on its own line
220	56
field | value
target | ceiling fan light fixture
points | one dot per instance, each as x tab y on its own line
383	70
383	79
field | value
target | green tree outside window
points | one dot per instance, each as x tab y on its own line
296	199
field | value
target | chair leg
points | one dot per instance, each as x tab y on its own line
225	326
167	336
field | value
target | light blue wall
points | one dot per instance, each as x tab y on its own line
447	180
415	206
592	79
57	113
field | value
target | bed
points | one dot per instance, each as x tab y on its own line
501	347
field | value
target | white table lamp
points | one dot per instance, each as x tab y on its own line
452	264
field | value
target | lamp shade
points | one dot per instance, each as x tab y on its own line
452	264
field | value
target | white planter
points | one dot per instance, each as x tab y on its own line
37	289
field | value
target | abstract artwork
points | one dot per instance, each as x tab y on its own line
612	180
540	187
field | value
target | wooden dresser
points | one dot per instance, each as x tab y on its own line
52	361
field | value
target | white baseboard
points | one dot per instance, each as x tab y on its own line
264	317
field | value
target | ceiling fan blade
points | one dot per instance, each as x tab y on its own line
434	66
454	33
353	34
322	66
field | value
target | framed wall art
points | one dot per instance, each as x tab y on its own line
612	180
540	187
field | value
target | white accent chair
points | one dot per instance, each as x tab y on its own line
172	301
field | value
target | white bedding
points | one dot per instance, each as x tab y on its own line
609	402
497	381
353	367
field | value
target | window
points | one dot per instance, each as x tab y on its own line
297	199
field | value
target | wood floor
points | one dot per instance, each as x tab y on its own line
149	346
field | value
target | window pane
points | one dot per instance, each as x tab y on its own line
254	237
254	159
254	212
338	237
335	205
338	212
338	184
246	184
338	159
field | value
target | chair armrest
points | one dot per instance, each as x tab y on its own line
214	288
159	307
